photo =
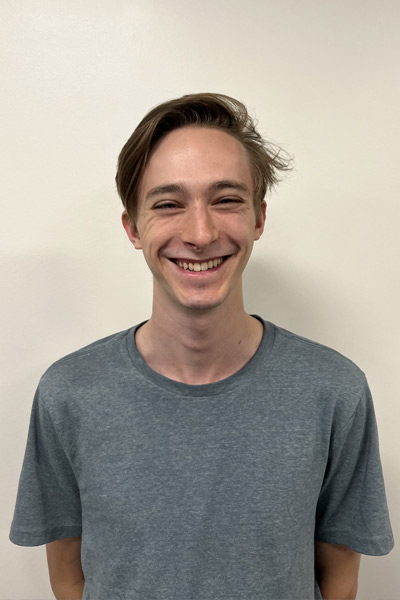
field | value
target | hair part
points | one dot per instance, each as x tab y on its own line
205	110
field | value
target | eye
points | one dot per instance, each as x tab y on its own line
166	205
229	200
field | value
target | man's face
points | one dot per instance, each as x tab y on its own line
196	222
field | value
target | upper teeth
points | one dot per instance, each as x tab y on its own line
199	266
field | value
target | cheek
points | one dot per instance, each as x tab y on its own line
241	228
154	236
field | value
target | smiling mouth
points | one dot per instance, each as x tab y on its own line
190	265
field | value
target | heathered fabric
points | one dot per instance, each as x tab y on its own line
208	492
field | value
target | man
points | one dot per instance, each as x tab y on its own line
206	453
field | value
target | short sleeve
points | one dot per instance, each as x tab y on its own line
352	508
48	501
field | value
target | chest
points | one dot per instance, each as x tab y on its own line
248	461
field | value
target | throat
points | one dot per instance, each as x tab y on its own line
199	356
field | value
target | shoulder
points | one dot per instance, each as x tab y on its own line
314	358
85	367
318	376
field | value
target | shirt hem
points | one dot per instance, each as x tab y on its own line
378	546
27	538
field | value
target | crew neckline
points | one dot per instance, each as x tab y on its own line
206	389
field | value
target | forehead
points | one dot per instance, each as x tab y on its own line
197	155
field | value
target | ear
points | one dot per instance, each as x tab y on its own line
131	230
260	221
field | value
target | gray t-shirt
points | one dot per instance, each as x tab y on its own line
206	492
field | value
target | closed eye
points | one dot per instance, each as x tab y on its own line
229	200
167	205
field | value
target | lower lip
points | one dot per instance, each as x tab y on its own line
208	272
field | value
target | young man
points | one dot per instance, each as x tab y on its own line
205	454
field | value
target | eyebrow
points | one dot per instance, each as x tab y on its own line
229	183
174	188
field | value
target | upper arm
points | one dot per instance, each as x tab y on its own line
336	569
65	568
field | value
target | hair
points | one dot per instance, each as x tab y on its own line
205	110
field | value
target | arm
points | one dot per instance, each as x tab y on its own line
336	569
65	568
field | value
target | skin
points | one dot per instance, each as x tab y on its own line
196	204
65	569
337	570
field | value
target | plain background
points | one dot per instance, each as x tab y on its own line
322	78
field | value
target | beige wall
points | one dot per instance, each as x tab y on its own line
323	79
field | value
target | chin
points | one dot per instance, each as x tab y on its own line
200	304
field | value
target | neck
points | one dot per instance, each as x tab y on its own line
199	346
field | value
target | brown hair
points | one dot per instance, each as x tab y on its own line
207	110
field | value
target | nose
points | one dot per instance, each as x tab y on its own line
199	228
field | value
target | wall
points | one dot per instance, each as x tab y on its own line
321	77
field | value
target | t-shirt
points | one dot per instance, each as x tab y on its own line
203	492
